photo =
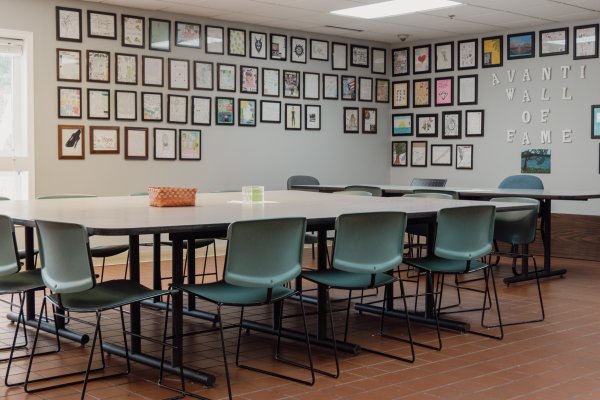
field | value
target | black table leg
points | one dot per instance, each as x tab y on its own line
134	275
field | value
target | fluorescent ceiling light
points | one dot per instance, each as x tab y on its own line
394	7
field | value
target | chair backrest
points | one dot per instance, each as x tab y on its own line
430	195
464	233
353	193
374	190
516	227
65	257
139	194
4	198
301	180
432	182
264	253
65	196
369	242
521	182
9	263
453	194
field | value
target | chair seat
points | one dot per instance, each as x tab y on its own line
443	265
107	295
22	253
347	280
108	251
233	295
198	243
21	281
310	238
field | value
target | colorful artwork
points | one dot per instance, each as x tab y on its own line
535	161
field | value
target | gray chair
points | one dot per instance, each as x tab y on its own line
432	182
521	182
374	190
302	180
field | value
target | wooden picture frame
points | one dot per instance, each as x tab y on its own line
422	59
247	112
236	42
68	24
400	153
159	34
400	94
418	153
554	42
467	90
153	71
190	144
214	39
270	111
474	122
402	124
71	142
271	82
369	120
441	154
68	65
226	77
427	125
298	49
177	109
585	41
258	45
224	111
133	31
464	156
467	54
520	45
105	140
291	84
359	56
421	92
444	91
165	144
204	72
201	110
331	89
98	66
293	117
98	102
401	61
126	69
382	90
348	87
319	50
351	120
188	34
248	79
492	54
339	56
102	25
278	47
152	108
312	117
451	124
444	57
136	143
69	102
125	105
311	85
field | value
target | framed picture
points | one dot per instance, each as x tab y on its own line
319	50
98	101
596	121
359	56
444	91
214	38
418	154
68	65
400	61
136	143
270	111
378	61
467	54
71	142
246	112
68	24
203	75
190	147
312	87
104	140
402	124
248	79
554	42
151	106
125	105
585	41
400	153
177	107
330	87
422	59
441	154
102	25
467	90
427	125
98	66
365	89
179	74
225	109
152	71
382	90
270	82
188	35
69	102
201	110
236	42
291	84
293	117
126	69
348	87
400	94
339	56
351	119
536	161
474	122
165	144
491	51
278	47
312	117
133	31
258	45
451	125
298	50
226	77
464	156
159	34
369	120
520	45
444	57
421	92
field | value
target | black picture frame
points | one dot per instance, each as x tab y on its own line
578	53
359	56
60	111
290	122
595	116
262	116
481	131
220	85
59	62
417	101
170	117
351	125
468	54
118	66
459	98
469	157
348	87
128	152
252	122
305	95
244	71
258	45
327	95
135	105
106	112
170	131
66	17
154	43
193	42
339	63
316	50
143	102
308	116
89	61
298	49
139	41
397	146
401	61
363	81
520	45
420	55
263	84
449	130
145	79
426	125
449	47
437	93
219	120
422	144
211	48
206	100
98	35
291	84
275	51
365	114
544	39
232	51
487	58
173	78
195	157
435	162
211	85
382	90
403	131
379	67
397	88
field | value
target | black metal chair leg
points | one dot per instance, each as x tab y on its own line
220	322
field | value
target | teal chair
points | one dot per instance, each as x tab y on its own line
518	229
374	190
68	272
302	180
521	182
367	248
463	236
262	257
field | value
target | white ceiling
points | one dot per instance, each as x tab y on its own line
474	17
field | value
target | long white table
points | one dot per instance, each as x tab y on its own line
132	216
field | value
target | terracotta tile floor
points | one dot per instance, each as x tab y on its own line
555	359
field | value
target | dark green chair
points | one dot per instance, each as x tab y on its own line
374	190
68	272
302	180
464	235
262	257
367	248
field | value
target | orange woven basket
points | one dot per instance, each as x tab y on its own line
162	196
